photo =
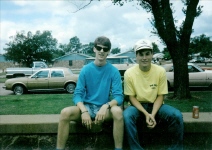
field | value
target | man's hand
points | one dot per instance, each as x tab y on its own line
86	120
100	116
150	121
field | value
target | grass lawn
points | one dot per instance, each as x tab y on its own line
53	103
2	80
34	104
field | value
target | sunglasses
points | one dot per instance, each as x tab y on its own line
99	48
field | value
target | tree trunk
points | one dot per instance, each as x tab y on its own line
176	44
181	78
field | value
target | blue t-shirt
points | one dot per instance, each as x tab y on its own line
96	84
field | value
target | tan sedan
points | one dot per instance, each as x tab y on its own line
197	76
49	79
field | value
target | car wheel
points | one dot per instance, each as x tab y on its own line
70	87
18	90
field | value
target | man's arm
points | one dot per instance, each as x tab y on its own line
138	105
86	119
157	104
81	107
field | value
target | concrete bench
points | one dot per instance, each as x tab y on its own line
36	124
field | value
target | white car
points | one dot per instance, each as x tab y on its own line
197	76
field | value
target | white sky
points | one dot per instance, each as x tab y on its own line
123	25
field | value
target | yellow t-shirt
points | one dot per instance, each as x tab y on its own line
145	86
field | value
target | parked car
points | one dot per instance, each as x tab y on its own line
193	61
197	76
22	72
48	79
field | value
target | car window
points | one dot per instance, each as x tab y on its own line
57	73
39	65
192	69
41	74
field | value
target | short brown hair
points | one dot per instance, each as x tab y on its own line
102	40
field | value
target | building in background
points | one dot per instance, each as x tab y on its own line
71	60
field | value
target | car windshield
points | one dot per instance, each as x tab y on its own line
69	70
41	74
198	67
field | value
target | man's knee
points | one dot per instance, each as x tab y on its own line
65	114
179	118
117	113
177	115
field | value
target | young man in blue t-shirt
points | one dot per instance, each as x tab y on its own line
97	81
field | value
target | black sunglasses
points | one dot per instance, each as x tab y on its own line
99	48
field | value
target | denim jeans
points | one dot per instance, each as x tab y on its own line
166	115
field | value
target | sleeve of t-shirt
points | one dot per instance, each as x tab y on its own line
163	88
80	88
117	90
128	88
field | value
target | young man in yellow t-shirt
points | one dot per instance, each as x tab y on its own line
146	84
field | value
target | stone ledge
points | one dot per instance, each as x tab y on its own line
31	124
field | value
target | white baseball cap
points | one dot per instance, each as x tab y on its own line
143	44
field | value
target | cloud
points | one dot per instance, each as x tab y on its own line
123	25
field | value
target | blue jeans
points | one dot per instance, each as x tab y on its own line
166	115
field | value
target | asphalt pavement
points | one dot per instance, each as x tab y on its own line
5	92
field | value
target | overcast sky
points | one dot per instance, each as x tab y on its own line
123	25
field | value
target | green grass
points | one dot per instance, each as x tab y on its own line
2	80
54	103
202	99
34	104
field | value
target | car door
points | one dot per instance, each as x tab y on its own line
196	78
40	80
57	79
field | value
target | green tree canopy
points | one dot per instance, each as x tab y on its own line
155	48
201	44
74	45
166	54
88	48
115	50
28	48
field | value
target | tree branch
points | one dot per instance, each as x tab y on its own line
191	13
83	6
